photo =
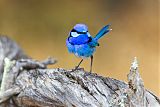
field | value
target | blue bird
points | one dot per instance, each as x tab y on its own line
82	44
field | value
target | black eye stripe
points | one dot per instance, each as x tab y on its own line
73	30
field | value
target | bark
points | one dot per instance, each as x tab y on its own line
9	49
29	83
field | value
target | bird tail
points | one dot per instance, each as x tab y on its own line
102	32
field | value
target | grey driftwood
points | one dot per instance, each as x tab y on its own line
29	83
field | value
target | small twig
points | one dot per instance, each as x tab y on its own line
49	61
32	64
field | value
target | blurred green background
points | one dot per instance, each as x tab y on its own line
42	26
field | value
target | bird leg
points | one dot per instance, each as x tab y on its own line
86	74
91	64
77	65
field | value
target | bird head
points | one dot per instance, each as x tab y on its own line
79	34
79	29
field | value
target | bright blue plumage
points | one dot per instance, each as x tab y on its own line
102	32
82	44
81	39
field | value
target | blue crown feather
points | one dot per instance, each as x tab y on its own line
80	28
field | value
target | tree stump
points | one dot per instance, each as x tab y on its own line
29	83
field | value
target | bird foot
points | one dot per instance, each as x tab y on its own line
76	68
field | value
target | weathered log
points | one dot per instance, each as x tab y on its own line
28	83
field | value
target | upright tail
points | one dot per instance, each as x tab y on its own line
102	32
